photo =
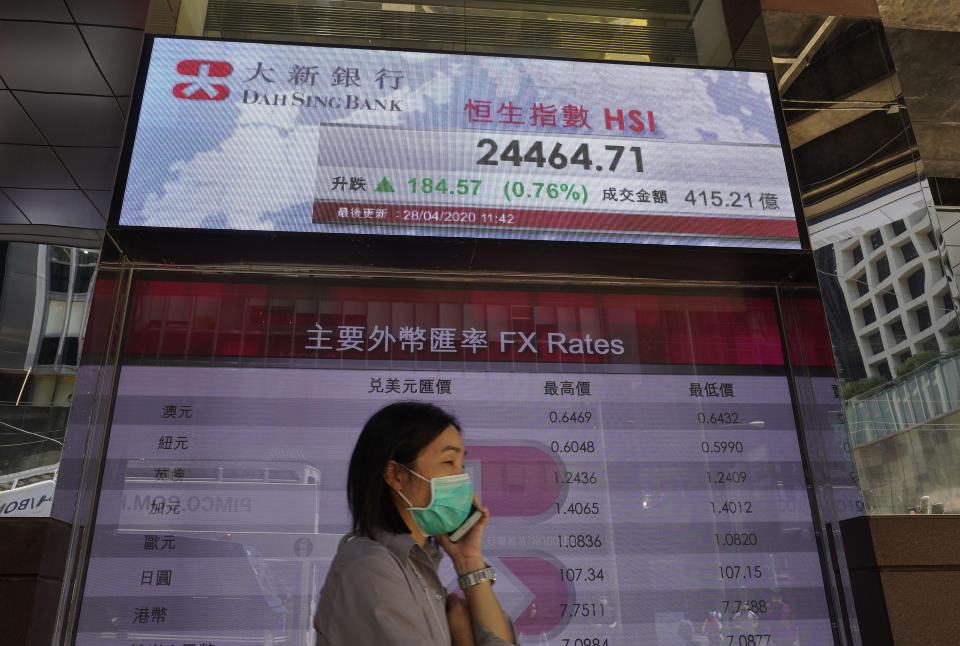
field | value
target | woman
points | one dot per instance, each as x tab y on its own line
406	489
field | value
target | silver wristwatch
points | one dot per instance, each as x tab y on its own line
477	576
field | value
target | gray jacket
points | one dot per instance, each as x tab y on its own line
386	592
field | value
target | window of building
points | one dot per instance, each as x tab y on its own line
56	315
915	283
899	334
861	282
923	317
857	254
948	302
909	252
59	275
81	281
78	310
48	350
876	239
931	239
883	268
884	370
889	301
869	316
876	343
71	345
898	227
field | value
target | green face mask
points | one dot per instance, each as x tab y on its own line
450	500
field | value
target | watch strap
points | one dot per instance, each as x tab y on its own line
471	579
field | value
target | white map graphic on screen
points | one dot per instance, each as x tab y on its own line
247	136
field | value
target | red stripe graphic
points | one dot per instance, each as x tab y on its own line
326	211
203	319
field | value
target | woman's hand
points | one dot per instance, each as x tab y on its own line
467	553
458	617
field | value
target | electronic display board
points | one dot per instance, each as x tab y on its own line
638	453
244	136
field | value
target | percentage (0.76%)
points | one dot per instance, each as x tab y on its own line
521	190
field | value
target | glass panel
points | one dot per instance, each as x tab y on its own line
923	317
899	334
48	350
909	252
36	391
59	276
83	277
56	316
594	422
883	269
889	301
860	282
915	283
71	346
78	315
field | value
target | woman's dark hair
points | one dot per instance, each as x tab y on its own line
396	432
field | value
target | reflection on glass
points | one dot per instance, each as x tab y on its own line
880	256
44	301
639	454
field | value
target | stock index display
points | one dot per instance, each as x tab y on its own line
263	137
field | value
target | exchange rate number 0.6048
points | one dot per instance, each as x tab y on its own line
573	446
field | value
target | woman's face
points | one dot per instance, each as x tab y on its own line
442	457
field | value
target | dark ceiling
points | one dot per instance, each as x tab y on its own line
66	73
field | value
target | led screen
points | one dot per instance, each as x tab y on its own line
638	453
249	136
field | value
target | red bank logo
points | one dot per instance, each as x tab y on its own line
201	88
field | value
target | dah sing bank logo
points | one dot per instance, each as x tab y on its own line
200	88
